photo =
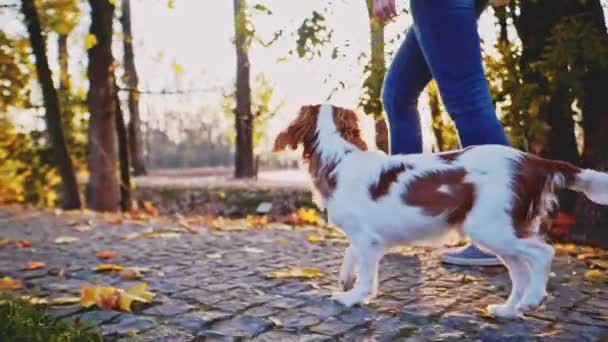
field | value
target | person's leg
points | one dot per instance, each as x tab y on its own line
406	78
447	34
448	37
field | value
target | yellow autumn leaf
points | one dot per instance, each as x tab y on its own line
9	284
105	297
297	272
171	4
137	293
596	276
108	268
308	216
178	68
113	2
89	41
315	239
4	241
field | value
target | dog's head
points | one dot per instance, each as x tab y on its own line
315	120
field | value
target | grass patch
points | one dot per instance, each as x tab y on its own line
20	321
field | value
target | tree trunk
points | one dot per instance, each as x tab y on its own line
244	163
102	190
592	219
71	197
123	156
64	73
375	80
136	144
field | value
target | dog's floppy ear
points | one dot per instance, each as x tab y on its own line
302	129
347	124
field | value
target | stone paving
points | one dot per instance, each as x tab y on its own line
213	286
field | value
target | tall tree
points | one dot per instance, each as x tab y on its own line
102	190
123	156
244	160
71	196
591	218
136	143
372	99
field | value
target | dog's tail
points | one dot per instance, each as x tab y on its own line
593	184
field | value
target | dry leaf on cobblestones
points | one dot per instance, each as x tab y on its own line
4	241
225	224
35	265
308	216
58	301
599	263
106	254
10	284
297	273
315	239
130	274
257	221
24	244
596	276
108	268
65	240
108	298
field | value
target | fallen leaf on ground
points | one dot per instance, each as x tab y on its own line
4	241
106	254
297	272
65	240
108	268
315	239
108	298
130	274
308	216
257	221
596	276
35	265
58	301
229	225
24	244
149	209
10	284
599	263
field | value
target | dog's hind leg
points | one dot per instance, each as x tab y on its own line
539	256
347	271
520	279
368	252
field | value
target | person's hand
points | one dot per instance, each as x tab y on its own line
384	10
500	3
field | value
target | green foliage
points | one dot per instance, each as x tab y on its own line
519	101
312	35
22	322
574	48
261	107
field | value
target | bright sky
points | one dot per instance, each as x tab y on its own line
197	35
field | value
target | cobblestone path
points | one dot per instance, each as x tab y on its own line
213	286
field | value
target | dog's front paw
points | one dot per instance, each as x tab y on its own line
347	282
504	311
346	298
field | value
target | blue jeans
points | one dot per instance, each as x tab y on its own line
443	43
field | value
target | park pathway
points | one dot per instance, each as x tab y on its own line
213	284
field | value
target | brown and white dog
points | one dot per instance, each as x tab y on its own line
493	194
